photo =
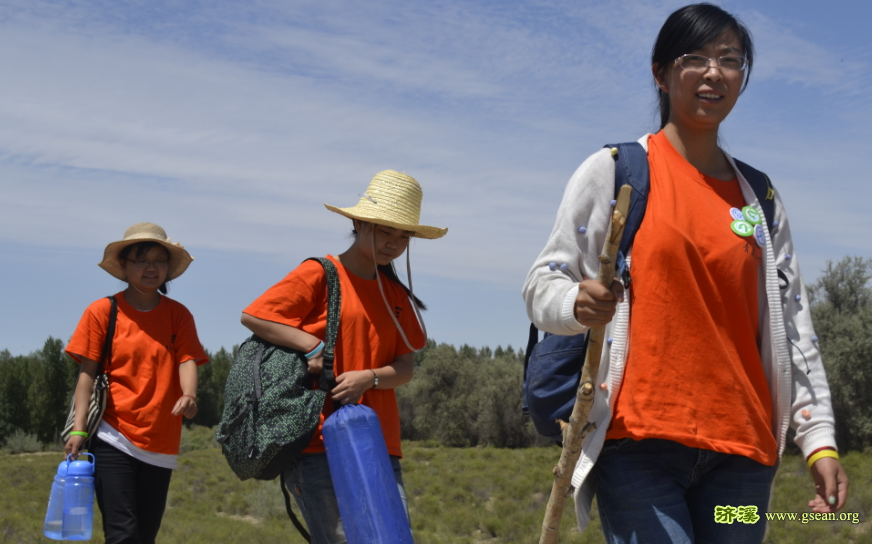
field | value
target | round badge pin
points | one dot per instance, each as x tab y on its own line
759	235
736	214
742	228
751	215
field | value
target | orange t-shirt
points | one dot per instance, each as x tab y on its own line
367	335
694	373
147	350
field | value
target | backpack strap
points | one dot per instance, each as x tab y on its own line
328	377
631	168
294	520
762	187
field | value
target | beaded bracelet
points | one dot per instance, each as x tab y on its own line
79	433
315	351
821	454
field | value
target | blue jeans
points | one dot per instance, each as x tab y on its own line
308	479
660	491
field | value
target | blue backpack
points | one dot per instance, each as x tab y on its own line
552	367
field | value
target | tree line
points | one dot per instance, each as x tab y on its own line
35	391
464	396
470	396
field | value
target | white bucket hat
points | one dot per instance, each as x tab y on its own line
146	232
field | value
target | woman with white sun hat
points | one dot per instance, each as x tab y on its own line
380	328
152	375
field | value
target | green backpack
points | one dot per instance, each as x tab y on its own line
270	410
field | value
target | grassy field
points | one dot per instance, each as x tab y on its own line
456	496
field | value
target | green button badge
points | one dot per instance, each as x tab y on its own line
742	228
751	215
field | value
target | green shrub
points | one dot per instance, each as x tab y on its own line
22	442
466	397
842	311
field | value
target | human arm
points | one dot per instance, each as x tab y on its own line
561	293
351	385
810	409
286	336
84	389
187	403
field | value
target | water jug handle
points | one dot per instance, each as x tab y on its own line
93	459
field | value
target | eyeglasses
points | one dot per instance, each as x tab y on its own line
144	264
699	63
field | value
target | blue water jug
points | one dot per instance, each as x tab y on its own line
79	500
363	479
54	514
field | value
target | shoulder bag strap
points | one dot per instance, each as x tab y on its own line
106	354
328	377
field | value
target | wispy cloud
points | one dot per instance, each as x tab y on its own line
233	122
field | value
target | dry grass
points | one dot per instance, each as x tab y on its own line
456	496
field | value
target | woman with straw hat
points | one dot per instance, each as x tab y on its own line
378	331
152	374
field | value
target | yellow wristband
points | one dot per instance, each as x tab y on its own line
821	454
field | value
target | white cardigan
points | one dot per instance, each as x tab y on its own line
786	331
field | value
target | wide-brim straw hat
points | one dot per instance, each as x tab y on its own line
146	232
392	199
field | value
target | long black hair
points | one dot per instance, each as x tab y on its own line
138	251
391	273
689	29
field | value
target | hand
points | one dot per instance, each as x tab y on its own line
351	385
830	480
316	363
595	304
185	406
73	445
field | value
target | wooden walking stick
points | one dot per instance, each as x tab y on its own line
578	427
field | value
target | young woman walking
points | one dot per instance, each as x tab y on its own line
712	353
378	332
152	383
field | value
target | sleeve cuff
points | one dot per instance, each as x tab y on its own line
567	313
821	438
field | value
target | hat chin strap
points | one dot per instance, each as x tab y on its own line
412	298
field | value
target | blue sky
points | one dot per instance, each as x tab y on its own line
231	123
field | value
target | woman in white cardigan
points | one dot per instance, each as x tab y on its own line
698	390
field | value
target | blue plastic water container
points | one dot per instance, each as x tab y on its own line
54	514
79	500
363	479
